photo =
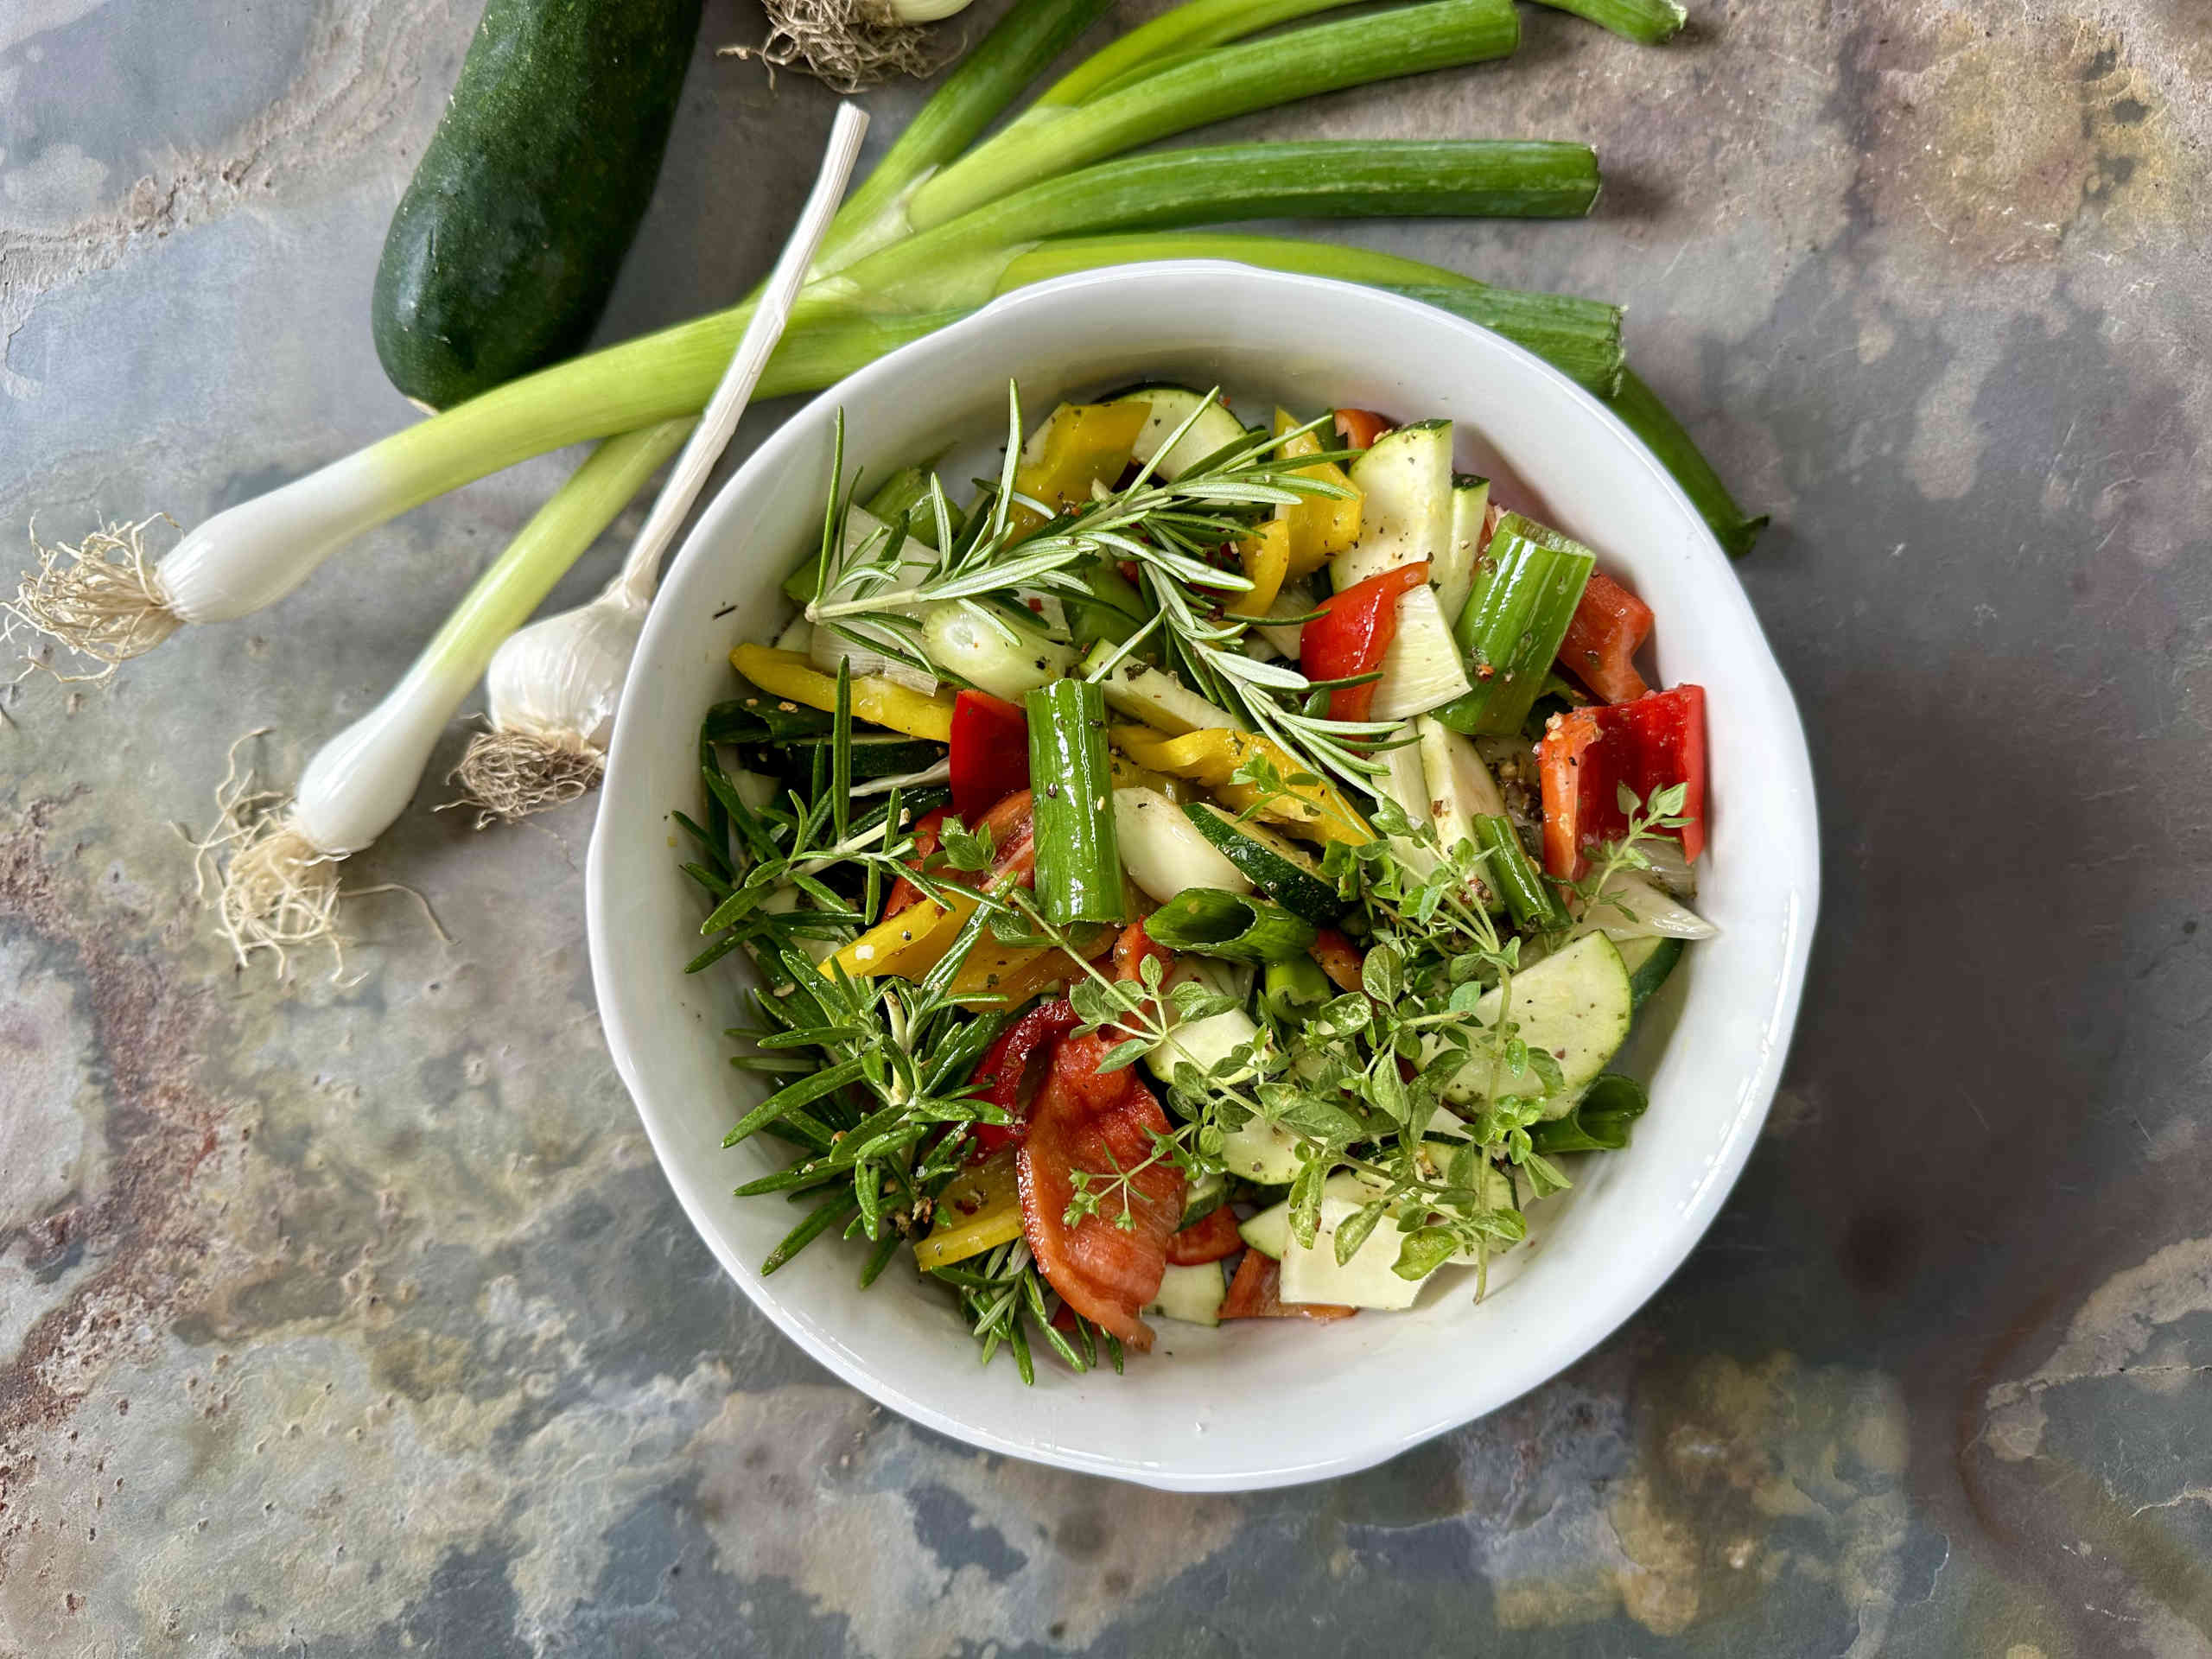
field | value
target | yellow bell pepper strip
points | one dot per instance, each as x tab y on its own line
1266	554
1080	445
1011	975
1127	775
1321	526
1212	757
978	1211
879	701
907	944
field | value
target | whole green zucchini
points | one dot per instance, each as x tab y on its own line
506	244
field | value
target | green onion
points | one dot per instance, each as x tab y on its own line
1515	876
1643	413
1237	927
1648	23
1078	853
957	261
1527	585
1600	1120
1167	38
1014	53
1580	338
906	488
1113	612
1291	991
1217	85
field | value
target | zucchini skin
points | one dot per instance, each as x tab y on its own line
506	245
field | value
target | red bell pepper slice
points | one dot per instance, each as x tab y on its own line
1588	754
990	753
1611	623
1352	634
1340	959
1002	1076
1013	857
903	892
1084	1120
1359	428
1212	1237
1256	1294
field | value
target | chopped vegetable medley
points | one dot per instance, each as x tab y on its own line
1143	929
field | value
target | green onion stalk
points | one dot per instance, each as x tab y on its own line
1648	23
1185	69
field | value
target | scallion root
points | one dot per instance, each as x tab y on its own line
851	45
98	599
510	775
274	890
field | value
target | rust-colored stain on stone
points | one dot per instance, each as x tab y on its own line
145	1227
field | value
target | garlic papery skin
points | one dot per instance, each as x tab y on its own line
562	678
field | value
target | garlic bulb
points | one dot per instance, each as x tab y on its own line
564	675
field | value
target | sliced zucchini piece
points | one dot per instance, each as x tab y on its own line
1283	872
1648	961
1214	430
1263	1152
1577	1004
1370	1278
1295	600
1405	482
1194	1295
1165	853
1008	661
1453	575
1156	696
1206	1194
1204	1043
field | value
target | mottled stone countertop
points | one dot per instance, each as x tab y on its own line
356	1318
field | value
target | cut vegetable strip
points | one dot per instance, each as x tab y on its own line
1079	853
990	753
1211	1239
1213	757
1527	586
1235	927
980	1211
1590	755
1321	526
1351	635
1256	1294
1266	557
1011	1068
1106	1264
1216	85
1420	670
1165	853
1610	627
1514	873
787	675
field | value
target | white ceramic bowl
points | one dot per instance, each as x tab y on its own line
1260	1403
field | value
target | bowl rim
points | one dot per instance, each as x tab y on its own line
1603	1316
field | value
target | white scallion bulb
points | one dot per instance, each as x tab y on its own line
555	686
